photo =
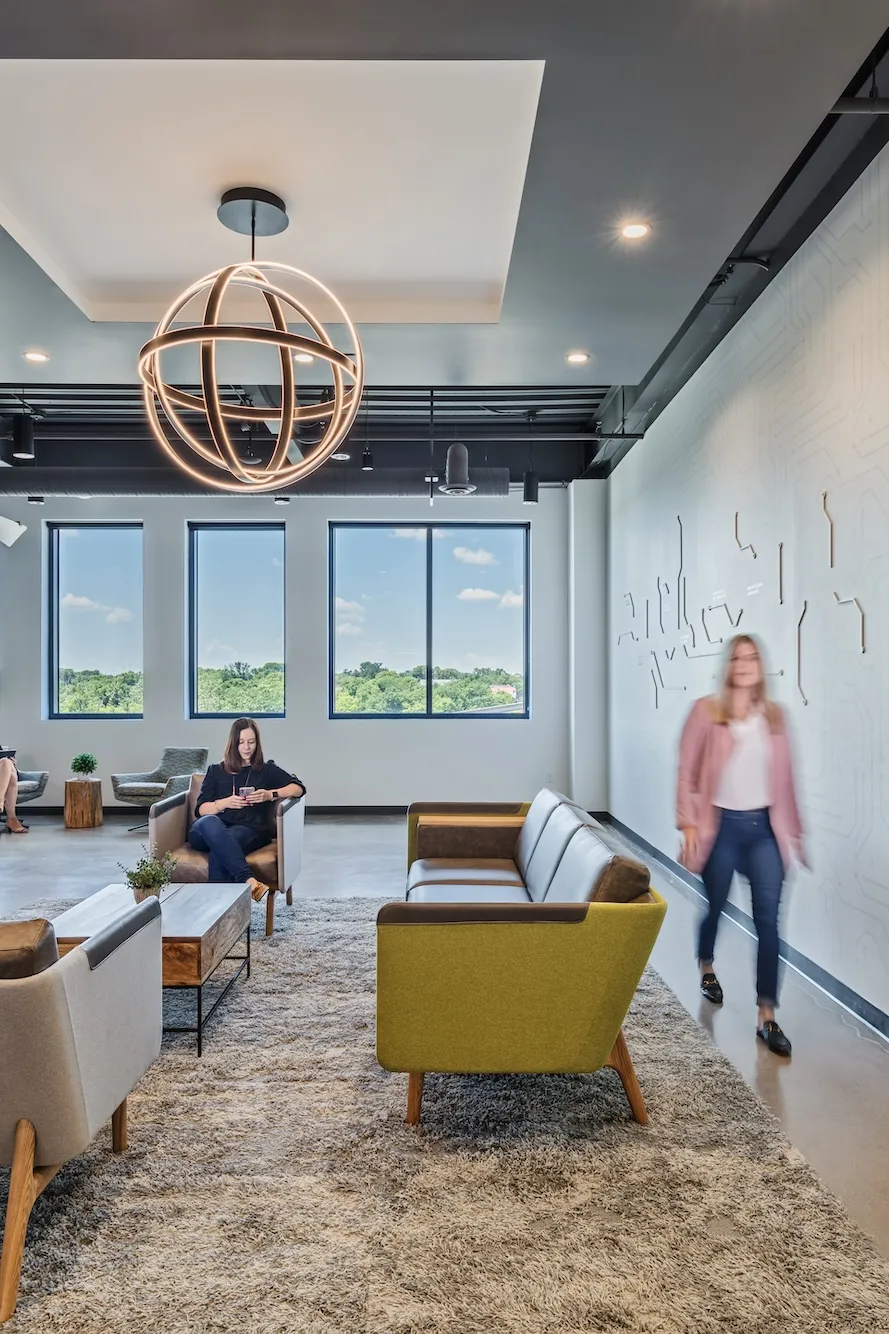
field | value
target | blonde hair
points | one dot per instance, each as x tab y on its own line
722	699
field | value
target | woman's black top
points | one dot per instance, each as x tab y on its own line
219	783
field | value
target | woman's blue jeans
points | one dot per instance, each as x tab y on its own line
745	844
228	845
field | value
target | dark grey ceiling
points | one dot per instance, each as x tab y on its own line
688	111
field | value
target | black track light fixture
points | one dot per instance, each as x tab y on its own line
367	458
530	482
23	438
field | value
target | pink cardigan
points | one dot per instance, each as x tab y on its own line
703	751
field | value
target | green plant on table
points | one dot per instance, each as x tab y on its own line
84	763
150	874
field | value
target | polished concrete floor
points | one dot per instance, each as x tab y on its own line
831	1098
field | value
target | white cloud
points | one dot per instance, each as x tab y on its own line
349	628
348	611
475	556
118	615
277	562
217	646
477	595
412	534
511	599
79	603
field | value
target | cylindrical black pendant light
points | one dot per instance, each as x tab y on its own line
23	438
531	481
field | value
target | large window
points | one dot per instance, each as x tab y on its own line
237	620
95	620
429	621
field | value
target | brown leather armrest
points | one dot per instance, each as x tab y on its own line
414	914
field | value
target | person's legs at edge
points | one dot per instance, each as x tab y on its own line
9	786
227	845
765	871
717	876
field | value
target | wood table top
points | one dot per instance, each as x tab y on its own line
188	912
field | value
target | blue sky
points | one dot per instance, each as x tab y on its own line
100	599
240	596
478	594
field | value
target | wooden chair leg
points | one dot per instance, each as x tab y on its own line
119	1128
414	1096
25	1184
619	1060
290	896
270	912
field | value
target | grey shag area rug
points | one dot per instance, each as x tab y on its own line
272	1187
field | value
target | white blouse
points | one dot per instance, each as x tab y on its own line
745	785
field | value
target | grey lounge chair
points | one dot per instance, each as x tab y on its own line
32	784
172	775
76	1036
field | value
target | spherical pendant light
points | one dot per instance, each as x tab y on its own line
220	463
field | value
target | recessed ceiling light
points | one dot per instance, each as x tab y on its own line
634	231
341	457
34	355
282	500
577	358
304	358
35	500
83	497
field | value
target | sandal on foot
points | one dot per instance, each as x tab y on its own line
774	1038
711	989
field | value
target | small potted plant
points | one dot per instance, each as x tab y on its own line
149	875
84	764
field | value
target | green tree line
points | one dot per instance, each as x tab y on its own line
242	688
373	688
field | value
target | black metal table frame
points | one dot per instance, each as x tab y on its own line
204	1019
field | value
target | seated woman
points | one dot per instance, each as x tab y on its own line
229	825
9	786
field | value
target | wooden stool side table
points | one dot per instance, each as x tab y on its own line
83	803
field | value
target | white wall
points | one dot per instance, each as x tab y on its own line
587	658
795	402
349	762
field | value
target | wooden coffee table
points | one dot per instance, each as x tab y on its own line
200	924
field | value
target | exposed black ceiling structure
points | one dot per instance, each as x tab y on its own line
99	434
702	141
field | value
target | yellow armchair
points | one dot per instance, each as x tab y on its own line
510	988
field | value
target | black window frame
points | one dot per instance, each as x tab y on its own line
193	530
53	530
333	527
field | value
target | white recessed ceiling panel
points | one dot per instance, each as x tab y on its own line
402	179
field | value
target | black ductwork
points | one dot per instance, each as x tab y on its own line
328	481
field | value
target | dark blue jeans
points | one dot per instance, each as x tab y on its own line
745	843
227	845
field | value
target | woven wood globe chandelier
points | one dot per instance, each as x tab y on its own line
219	461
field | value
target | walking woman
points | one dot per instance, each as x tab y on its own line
233	806
736	807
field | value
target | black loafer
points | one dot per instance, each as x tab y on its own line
711	989
775	1040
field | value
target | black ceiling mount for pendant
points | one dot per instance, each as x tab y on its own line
530	481
252	211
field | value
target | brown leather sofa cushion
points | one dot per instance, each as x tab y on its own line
623	880
26	948
192	866
466	837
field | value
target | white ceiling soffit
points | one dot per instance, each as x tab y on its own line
402	179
